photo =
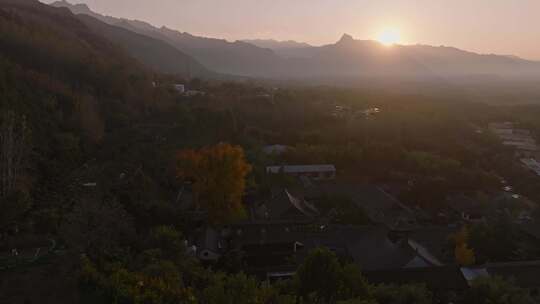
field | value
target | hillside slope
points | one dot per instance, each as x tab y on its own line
72	90
236	58
154	53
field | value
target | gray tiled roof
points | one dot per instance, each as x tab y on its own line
301	169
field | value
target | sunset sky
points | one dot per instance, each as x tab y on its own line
485	26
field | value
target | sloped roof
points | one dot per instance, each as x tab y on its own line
379	205
443	278
301	169
267	233
284	205
435	240
367	246
305	207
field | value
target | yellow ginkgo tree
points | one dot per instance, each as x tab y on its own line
219	176
464	255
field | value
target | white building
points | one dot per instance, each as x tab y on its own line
180	88
191	93
315	172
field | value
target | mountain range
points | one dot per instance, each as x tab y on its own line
347	58
277	44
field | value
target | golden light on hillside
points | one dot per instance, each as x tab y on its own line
389	37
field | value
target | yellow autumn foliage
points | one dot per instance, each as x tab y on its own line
463	254
219	179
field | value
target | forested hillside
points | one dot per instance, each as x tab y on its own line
233	58
154	53
65	90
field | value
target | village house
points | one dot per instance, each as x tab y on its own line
380	206
274	250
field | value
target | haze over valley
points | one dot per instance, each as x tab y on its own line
347	62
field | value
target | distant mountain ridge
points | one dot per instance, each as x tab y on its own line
347	58
154	53
277	44
219	55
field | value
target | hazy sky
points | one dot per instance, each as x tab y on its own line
486	26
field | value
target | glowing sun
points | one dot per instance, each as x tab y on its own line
389	37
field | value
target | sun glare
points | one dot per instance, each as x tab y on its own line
389	37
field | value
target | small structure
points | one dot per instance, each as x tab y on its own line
210	245
180	88
191	93
275	149
315	172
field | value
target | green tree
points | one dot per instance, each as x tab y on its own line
496	290
165	243
14	148
321	278
158	283
319	275
168	240
98	228
403	294
353	284
494	241
358	301
241	289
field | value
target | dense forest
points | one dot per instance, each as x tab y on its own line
94	147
